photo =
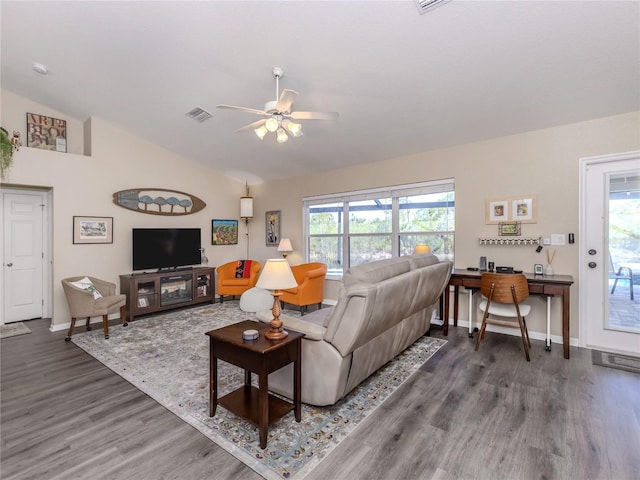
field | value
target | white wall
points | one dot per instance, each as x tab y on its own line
84	185
544	162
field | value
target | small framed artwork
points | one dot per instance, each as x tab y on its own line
224	232
509	228
47	133
143	302
92	229
272	227
524	209
537	269
496	210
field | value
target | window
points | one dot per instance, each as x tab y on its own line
348	229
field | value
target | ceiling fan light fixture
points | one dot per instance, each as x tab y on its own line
261	132
271	124
281	135
294	128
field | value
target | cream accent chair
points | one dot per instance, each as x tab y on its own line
383	308
82	303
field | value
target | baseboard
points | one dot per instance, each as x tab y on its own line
81	322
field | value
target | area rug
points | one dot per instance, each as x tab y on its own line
13	329
167	357
616	360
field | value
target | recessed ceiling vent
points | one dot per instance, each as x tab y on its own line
199	114
425	5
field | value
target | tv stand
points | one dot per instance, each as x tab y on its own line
167	289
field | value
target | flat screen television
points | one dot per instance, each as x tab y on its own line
165	248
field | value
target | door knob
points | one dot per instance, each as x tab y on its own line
592	264
592	251
9	264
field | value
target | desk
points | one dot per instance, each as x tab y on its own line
549	286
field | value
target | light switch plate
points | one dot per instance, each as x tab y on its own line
546	241
558	239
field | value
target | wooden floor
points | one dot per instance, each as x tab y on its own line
464	415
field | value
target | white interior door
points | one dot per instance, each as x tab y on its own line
23	255
609	228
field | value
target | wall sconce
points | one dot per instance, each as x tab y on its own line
246	206
285	247
422	248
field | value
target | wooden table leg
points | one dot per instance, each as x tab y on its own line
213	379
263	407
297	381
445	313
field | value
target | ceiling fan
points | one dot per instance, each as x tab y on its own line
278	115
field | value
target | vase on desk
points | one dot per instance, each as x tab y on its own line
548	270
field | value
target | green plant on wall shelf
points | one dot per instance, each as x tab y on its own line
6	153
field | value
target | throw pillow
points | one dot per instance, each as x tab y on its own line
243	269
85	284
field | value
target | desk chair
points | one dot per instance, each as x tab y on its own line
504	292
620	275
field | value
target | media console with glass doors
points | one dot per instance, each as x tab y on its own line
165	290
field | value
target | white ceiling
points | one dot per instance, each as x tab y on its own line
402	82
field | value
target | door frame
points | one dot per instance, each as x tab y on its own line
582	254
47	246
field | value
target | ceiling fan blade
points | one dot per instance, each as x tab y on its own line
314	115
242	109
287	97
251	126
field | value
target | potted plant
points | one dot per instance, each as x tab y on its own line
6	153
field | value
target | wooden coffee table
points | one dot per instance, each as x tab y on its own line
261	357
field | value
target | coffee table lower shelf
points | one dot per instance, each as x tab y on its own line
245	402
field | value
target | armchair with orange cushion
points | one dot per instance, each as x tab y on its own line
234	278
310	278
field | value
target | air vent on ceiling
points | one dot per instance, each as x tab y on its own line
425	5
199	114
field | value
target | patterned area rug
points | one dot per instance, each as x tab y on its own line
13	329
167	357
615	360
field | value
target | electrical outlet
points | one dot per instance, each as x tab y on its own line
558	239
546	241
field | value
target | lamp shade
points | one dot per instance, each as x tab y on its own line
246	208
285	245
422	248
276	275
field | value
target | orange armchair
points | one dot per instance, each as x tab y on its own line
229	284
310	278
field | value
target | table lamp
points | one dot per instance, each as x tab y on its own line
285	247
422	248
276	276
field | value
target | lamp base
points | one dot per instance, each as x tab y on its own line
276	332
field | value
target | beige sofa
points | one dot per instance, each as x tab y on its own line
383	308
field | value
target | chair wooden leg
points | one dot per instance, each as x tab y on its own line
526	331
525	338
123	315
88	324
301	311
483	327
70	332
319	305
105	325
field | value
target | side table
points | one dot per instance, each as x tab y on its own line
261	357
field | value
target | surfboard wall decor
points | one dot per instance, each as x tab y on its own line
158	201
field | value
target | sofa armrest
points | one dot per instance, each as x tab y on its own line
311	330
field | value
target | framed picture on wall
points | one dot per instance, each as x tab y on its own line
47	133
224	232
272	228
496	210
92	229
524	209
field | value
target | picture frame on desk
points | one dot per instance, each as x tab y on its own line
537	269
